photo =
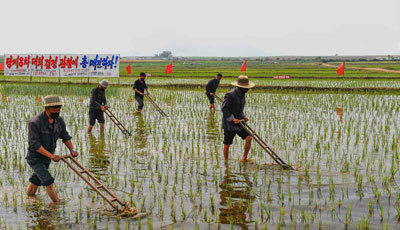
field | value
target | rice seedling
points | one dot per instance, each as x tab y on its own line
173	166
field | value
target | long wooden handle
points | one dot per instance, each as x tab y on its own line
155	105
264	145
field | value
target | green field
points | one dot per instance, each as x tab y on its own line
256	68
303	74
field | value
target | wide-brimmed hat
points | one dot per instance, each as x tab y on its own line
104	83
243	82
52	100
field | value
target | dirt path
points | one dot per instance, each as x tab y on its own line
365	68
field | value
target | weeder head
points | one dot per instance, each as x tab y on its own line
127	211
287	167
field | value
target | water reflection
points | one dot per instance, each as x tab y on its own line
235	197
98	155
212	127
339	112
140	133
43	216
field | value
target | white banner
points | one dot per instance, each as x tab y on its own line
70	66
45	65
17	65
103	65
62	65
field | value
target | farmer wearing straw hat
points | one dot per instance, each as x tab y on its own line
211	88
232	109
44	131
139	87
98	104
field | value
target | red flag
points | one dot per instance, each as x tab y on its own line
243	67
340	70
128	69
2	66
169	68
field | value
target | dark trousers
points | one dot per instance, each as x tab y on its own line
210	98
140	101
41	175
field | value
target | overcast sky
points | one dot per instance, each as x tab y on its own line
202	27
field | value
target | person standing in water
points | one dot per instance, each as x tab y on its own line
211	89
98	104
232	110
139	87
44	131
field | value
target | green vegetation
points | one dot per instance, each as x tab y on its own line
255	68
343	146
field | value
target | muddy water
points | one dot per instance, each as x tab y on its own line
173	167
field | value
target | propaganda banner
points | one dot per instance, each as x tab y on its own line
70	66
104	65
62	65
45	65
17	65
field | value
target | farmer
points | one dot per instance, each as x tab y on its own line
98	104
139	87
44	131
211	88
232	109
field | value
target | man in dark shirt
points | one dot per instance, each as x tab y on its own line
232	109
139	87
44	131
211	88
98	104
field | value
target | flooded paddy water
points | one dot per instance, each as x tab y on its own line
343	146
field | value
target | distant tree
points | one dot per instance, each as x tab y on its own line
164	54
317	59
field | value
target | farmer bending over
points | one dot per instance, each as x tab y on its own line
139	87
211	89
232	109
98	104
44	131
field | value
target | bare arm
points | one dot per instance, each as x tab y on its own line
44	152
70	146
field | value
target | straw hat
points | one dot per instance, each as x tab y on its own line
52	100
104	83
243	82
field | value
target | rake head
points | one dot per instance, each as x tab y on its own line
287	167
127	211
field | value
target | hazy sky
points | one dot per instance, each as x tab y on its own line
202	28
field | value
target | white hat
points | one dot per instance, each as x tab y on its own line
104	83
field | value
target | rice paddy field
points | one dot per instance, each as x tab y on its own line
196	73
255	68
343	147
